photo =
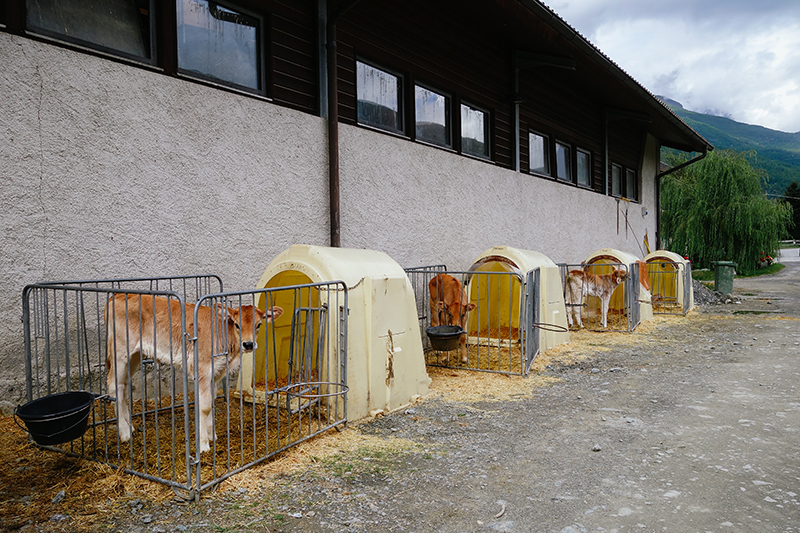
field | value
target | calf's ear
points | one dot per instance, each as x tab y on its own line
274	313
471	306
230	313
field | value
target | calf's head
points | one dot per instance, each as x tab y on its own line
455	312
618	276
246	322
449	301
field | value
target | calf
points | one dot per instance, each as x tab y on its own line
145	326
449	306
581	283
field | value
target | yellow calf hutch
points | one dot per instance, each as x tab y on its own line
384	363
505	292
630	308
670	282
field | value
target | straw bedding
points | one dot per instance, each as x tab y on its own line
32	477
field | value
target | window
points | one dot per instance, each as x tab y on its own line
380	95
630	185
563	162
120	27
539	150
220	43
584	168
474	131
432	115
616	180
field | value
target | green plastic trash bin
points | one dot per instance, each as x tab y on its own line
723	276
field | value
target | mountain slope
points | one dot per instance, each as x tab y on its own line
777	152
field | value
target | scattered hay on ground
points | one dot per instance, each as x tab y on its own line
94	492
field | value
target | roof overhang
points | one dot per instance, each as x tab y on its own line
618	91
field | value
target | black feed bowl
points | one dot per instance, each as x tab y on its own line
57	418
444	338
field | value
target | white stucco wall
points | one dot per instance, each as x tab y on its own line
108	170
427	206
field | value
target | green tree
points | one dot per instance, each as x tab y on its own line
792	195
715	210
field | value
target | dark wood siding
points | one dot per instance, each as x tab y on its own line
553	105
294	52
439	44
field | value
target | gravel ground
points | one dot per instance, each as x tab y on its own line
688	425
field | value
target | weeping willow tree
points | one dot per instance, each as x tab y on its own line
716	210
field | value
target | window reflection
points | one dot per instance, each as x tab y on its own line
474	131
113	25
616	180
378	98
630	184
563	162
584	168
432	116
539	155
219	42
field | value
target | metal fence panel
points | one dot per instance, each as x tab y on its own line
593	289
496	335
671	285
67	327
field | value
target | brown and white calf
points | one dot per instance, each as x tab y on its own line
146	326
582	283
450	306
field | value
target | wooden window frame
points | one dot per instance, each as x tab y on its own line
487	130
401	99
631	185
262	51
570	171
448	116
153	18
588	154
546	154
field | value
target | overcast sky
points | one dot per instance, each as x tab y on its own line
735	58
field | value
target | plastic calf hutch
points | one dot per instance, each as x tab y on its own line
67	325
503	331
550	327
630	301
385	367
670	282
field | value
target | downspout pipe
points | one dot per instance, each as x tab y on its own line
333	123
658	187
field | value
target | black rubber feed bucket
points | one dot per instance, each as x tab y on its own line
57	418
444	338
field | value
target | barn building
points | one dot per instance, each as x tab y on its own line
166	137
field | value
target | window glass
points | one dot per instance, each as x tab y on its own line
121	26
630	185
474	131
616	180
379	98
432	114
584	168
539	150
220	43
563	162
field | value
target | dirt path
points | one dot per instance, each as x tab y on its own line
688	425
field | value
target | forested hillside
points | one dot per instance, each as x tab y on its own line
776	152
